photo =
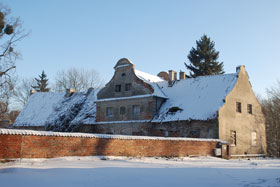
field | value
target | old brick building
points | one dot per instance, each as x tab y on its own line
129	96
136	103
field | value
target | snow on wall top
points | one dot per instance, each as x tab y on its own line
107	136
38	109
153	81
196	98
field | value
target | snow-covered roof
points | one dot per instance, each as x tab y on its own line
66	111
195	98
148	77
153	81
38	109
56	111
87	114
190	99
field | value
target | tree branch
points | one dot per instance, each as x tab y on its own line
4	72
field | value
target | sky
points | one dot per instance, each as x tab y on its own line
156	35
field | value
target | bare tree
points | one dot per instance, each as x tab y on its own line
78	79
271	109
22	90
6	91
10	33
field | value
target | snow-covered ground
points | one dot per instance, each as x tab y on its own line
123	171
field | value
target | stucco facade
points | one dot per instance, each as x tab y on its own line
243	128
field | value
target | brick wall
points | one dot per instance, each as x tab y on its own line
50	146
192	129
10	146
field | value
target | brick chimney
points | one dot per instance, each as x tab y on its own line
90	90
163	75
69	92
32	92
172	77
240	68
182	75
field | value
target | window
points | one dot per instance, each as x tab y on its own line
127	87
109	111
118	88
254	138
238	107
232	138
174	109
250	109
136	110
195	133
122	110
123	74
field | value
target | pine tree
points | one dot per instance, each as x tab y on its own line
42	83
203	59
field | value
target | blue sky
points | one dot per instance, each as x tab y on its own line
155	35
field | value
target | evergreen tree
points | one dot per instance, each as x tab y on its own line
203	59
42	83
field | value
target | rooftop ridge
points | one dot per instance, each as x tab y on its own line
147	76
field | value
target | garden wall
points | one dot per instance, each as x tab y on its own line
44	144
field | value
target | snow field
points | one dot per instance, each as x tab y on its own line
124	171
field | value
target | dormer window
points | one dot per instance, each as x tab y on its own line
173	110
118	88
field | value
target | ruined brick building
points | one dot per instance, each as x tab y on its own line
136	103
